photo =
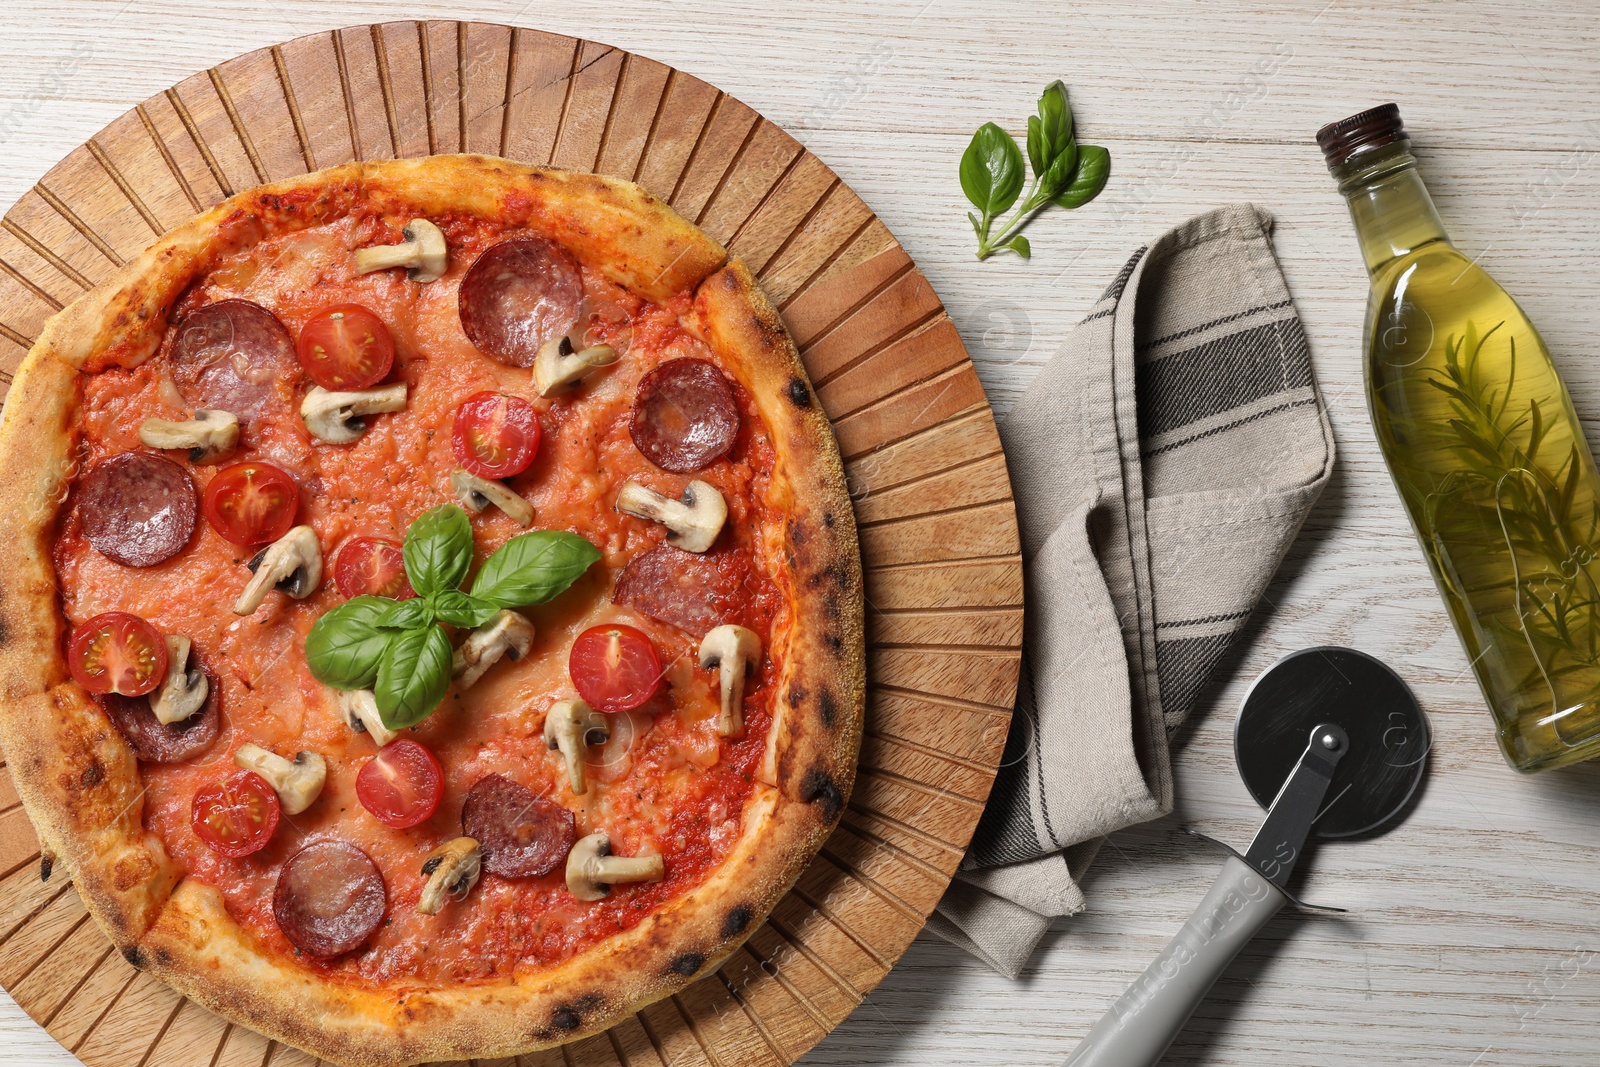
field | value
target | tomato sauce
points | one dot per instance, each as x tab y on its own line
665	782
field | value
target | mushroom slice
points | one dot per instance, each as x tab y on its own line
184	691
424	253
694	519
210	436
360	710
477	493
292	563
337	417
592	870
731	650
508	634
557	366
452	869
298	782
572	726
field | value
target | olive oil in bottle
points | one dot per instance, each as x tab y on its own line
1486	452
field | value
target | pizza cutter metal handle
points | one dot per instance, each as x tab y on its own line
1147	1018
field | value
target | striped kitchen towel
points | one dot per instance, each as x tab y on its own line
1162	463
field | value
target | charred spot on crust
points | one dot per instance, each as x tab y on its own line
5	632
569	1017
134	957
799	395
737	919
827	518
687	963
835	642
93	775
797	695
797	532
818	787
828	708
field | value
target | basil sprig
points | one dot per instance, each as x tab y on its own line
398	649
1065	173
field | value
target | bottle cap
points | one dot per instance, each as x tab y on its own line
1373	128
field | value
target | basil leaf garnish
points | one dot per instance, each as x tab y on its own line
409	614
413	675
1094	167
533	567
991	170
1051	145
345	645
1064	173
459	609
438	549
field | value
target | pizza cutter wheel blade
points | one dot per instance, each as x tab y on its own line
1331	742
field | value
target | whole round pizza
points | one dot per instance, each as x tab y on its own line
433	625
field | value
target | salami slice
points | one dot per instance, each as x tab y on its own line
523	836
517	295
154	741
690	591
233	355
137	508
330	898
685	416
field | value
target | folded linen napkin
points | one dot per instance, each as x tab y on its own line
1162	462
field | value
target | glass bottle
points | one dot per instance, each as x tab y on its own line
1484	447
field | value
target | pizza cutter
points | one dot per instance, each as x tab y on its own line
1332	743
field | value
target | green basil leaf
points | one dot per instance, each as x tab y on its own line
1036	149
345	645
411	614
412	676
533	567
1019	245
438	549
1055	128
991	170
1058	175
1094	167
977	227
459	609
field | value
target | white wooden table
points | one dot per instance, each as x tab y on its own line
1474	936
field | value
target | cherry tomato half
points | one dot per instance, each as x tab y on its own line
371	566
614	667
251	503
401	785
236	816
345	347
495	435
117	653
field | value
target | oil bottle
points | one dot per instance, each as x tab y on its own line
1484	447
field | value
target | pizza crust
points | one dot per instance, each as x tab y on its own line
80	781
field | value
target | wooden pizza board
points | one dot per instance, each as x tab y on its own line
938	532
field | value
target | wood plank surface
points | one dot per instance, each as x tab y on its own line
1471	938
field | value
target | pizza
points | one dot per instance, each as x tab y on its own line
433	623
